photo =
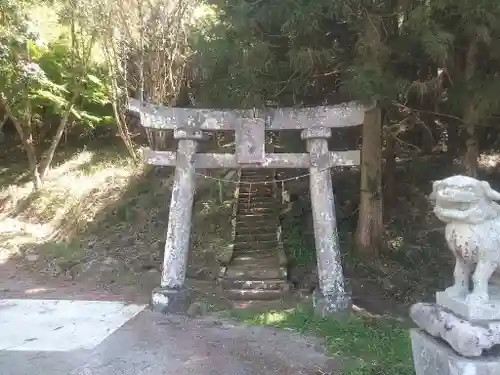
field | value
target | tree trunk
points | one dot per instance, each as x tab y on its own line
472	152
31	153
389	167
26	135
112	57
427	138
4	121
29	147
453	144
370	221
49	154
470	116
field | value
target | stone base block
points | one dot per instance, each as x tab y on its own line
433	357
337	306
474	312
170	301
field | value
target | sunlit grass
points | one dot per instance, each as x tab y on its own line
72	194
379	346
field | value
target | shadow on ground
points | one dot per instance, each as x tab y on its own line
106	240
101	223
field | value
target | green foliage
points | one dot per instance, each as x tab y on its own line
314	52
377	346
253	53
299	247
38	81
93	105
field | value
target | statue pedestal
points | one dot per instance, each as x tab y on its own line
434	357
449	343
460	334
472	312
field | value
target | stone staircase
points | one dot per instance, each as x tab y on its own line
257	269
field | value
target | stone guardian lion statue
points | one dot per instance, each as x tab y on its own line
472	232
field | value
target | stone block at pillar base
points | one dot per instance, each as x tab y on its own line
170	301
435	357
336	306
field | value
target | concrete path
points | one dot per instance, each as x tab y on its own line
62	337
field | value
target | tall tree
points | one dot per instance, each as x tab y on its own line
473	65
372	57
76	15
19	77
26	88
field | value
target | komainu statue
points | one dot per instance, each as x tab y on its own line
472	232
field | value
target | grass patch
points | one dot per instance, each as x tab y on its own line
81	185
97	203
65	251
73	189
379	347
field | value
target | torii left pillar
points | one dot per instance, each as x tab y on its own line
332	298
172	295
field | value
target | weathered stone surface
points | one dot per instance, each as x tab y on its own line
318	132
331	276
170	301
188	133
432	357
250	142
270	161
472	232
466	338
180	214
474	312
336	305
161	117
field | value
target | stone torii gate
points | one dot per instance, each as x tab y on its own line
189	124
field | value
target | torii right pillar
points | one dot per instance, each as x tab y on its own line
331	298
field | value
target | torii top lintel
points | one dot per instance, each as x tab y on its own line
163	118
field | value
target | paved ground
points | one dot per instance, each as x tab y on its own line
54	337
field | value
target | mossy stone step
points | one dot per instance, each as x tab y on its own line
245	212
255	221
270	284
255	271
253	230
270	236
262	245
254	198
238	257
245	273
252	294
266	215
246	196
270	263
254	189
249	203
254	252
